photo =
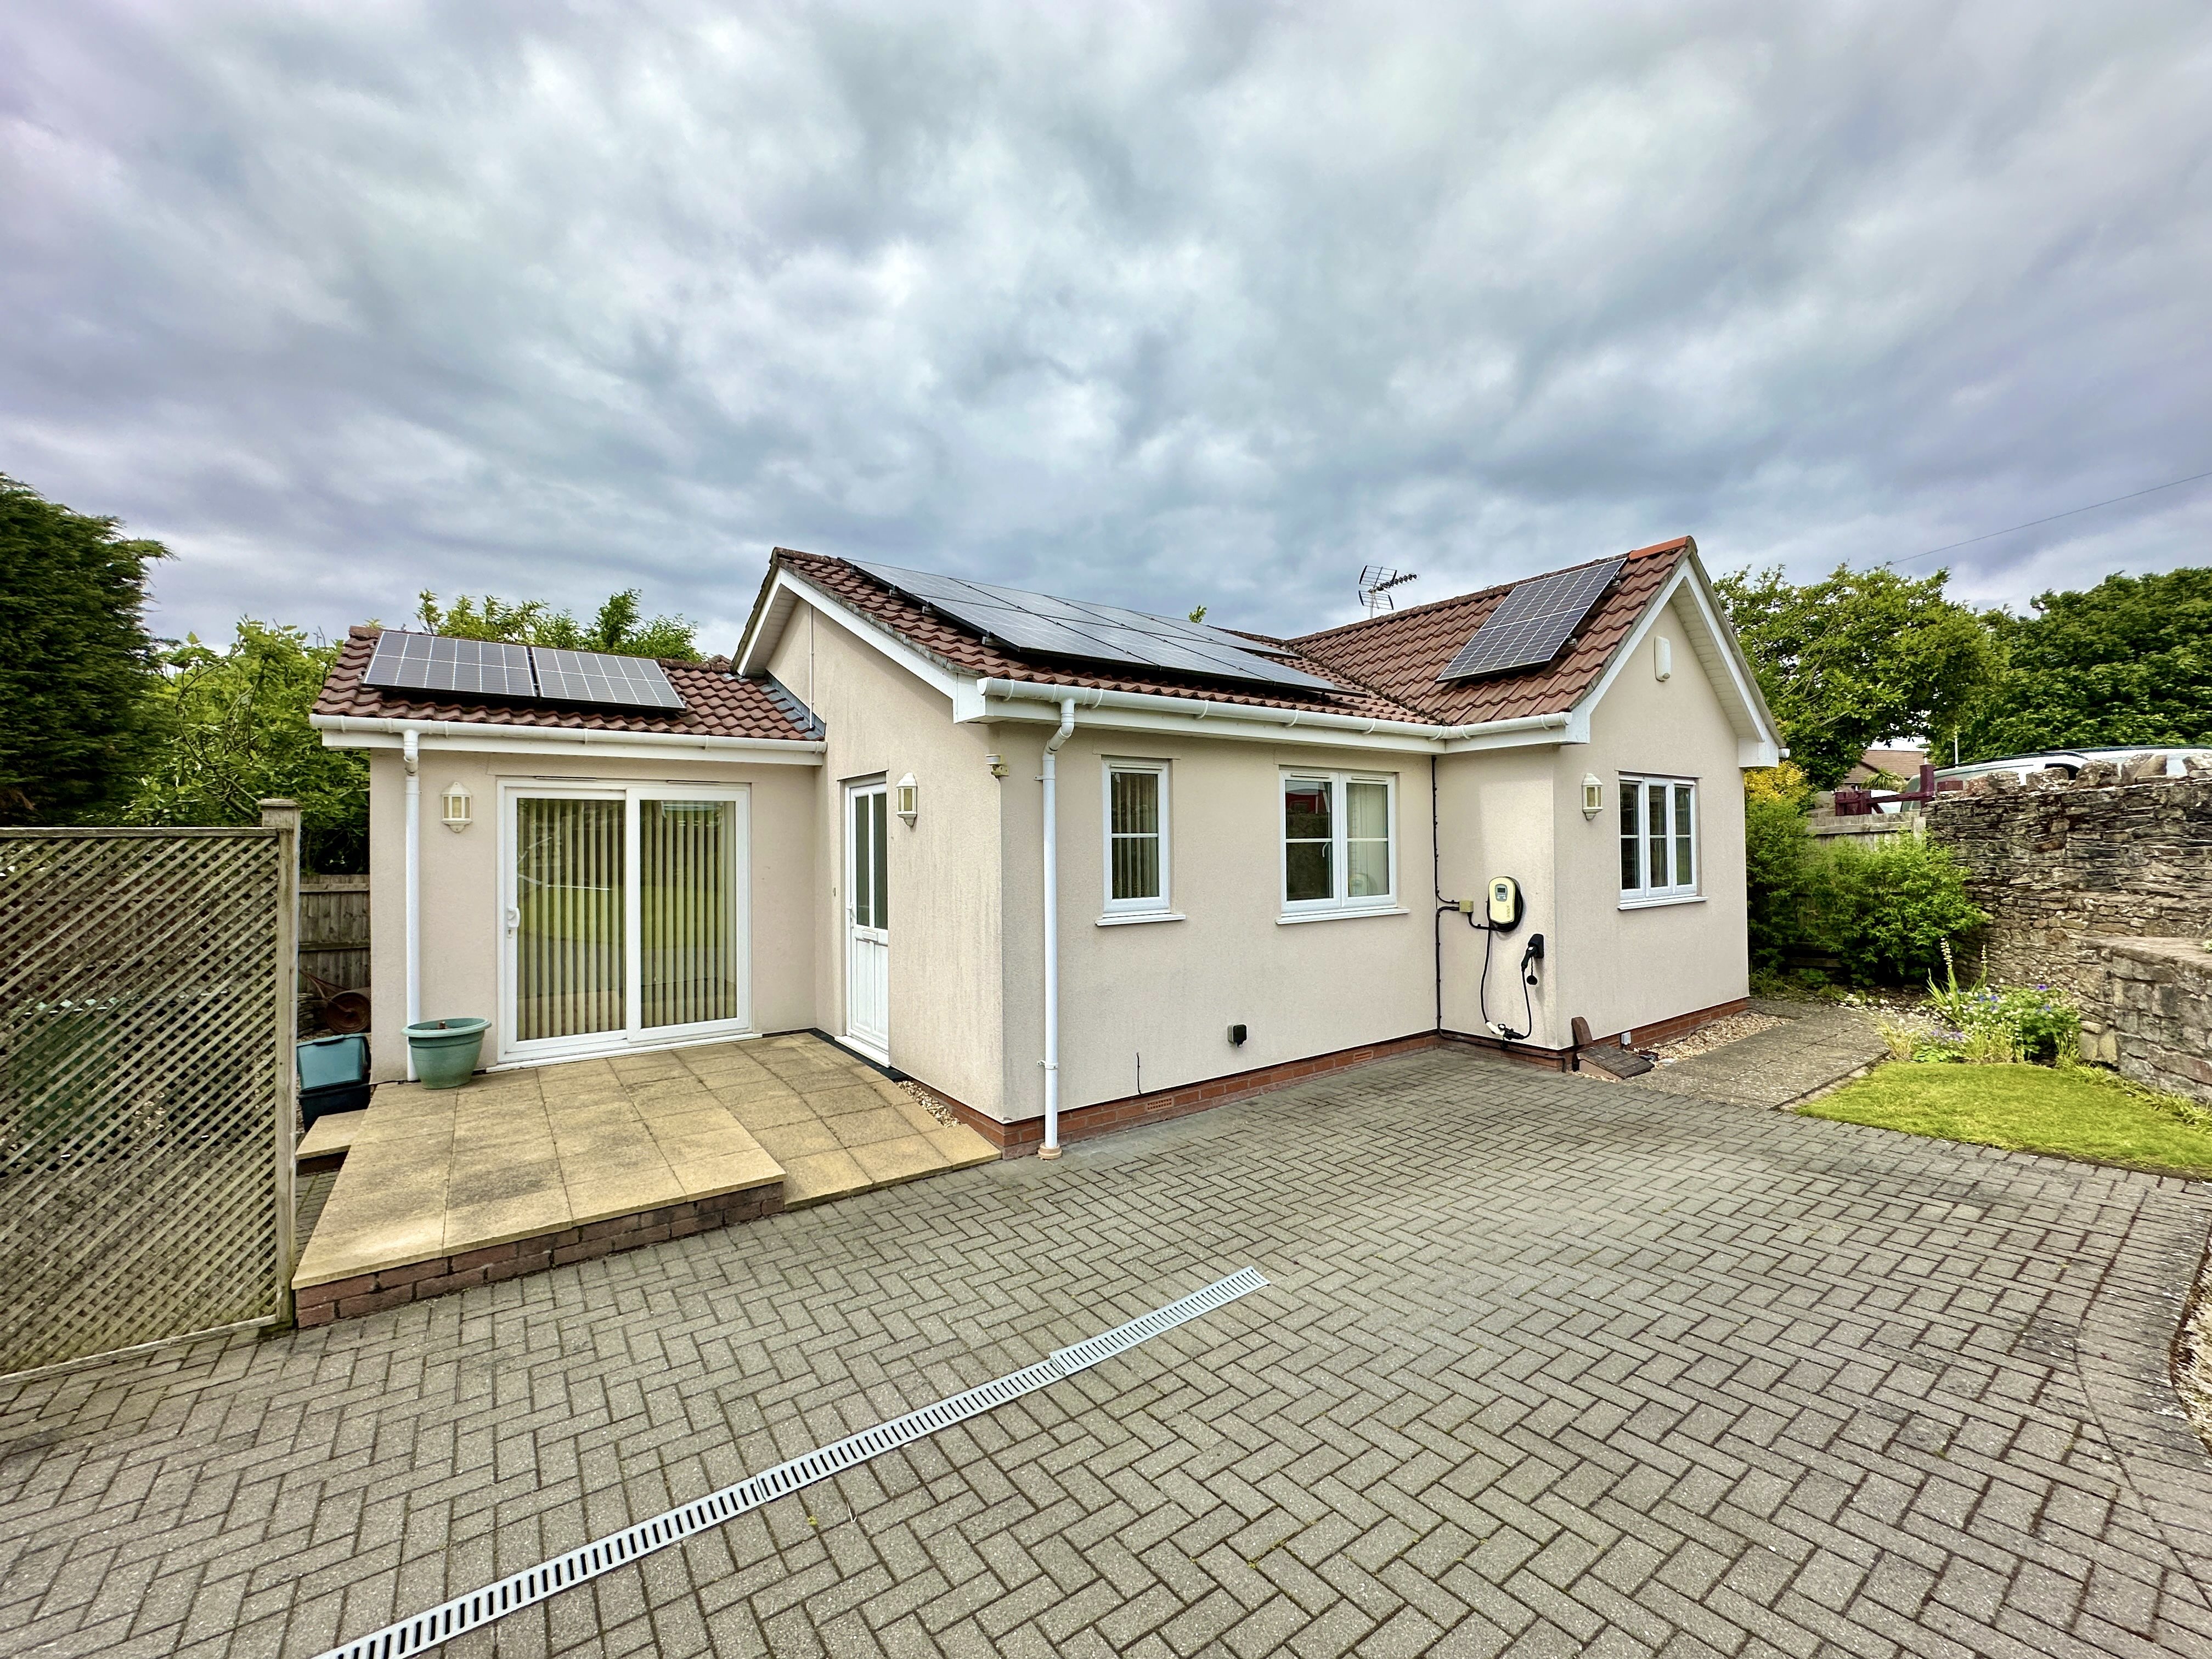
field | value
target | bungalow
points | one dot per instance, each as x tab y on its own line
1069	866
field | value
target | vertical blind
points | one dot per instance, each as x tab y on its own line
568	934
688	969
1134	808
871	894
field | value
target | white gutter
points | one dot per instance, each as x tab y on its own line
1153	704
1050	781
410	757
411	731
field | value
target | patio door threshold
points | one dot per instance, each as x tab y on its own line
612	1051
866	1050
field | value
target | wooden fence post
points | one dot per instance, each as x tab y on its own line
284	817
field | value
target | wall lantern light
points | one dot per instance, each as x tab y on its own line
1662	657
906	800
459	810
1592	796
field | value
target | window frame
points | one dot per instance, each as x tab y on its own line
1634	786
1340	902
1150	908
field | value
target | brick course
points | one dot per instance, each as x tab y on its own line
1023	1137
414	1281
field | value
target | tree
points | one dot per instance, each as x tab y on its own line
75	660
237	729
2126	662
1859	656
619	627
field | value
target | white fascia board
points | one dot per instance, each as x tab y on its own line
1715	643
791	591
1196	724
371	731
1511	737
1141	711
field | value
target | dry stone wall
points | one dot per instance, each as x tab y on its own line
2057	862
2153	1018
2101	884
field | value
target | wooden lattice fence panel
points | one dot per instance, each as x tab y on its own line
145	1111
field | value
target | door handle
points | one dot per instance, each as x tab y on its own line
513	918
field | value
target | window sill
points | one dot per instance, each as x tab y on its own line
1349	912
1661	902
1131	918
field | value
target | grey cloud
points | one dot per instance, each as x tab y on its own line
1157	305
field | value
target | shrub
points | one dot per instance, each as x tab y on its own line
1776	854
1888	912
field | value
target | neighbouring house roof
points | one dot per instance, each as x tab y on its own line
1386	667
1896	762
717	703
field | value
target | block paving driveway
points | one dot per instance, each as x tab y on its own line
1547	1367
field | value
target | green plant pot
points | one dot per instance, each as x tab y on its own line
444	1050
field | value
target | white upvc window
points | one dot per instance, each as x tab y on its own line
1339	842
1658	840
1136	837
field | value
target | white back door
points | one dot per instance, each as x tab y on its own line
868	922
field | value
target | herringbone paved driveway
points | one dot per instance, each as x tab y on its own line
1548	1367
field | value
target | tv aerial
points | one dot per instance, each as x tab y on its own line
1375	582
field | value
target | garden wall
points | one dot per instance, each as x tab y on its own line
2057	862
2152	1013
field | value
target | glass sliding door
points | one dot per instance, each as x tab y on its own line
625	917
567	920
687	932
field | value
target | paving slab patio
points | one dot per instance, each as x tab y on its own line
436	1174
1546	1366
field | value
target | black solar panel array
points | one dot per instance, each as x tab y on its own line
1533	621
432	662
1024	621
487	668
595	676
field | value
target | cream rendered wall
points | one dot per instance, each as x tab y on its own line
462	930
946	1008
1497	813
1630	968
1169	990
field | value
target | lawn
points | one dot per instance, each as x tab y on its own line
2031	1108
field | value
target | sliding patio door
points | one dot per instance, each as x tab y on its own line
624	916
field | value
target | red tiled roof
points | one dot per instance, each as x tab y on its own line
1385	666
1401	652
716	702
962	649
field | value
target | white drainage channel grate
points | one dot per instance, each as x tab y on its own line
536	1585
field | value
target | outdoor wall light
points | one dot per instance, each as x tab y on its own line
459	810
906	800
997	763
1662	657
1592	796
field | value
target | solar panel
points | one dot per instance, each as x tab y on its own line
433	662
595	676
491	668
1093	633
1533	621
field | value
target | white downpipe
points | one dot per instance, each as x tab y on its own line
411	757
1050	780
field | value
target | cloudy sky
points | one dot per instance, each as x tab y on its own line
1163	305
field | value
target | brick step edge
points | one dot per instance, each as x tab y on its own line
418	1281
